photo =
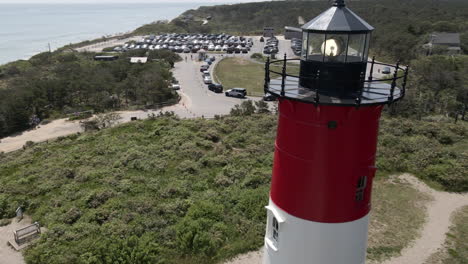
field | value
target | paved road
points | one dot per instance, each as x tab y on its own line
200	100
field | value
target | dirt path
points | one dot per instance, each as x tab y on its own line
54	129
438	223
7	254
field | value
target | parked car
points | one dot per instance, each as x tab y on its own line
269	97
217	88
386	70
204	67
207	80
236	92
206	73
175	86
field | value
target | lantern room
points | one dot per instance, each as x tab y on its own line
334	64
336	45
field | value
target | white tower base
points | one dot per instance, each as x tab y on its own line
291	240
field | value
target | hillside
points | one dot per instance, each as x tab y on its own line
192	191
401	25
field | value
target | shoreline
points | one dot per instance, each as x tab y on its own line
87	41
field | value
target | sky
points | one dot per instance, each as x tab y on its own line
121	1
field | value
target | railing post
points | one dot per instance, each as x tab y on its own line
372	68
405	79
361	88
317	84
283	77
267	75
395	76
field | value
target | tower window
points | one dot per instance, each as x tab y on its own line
361	186
275	230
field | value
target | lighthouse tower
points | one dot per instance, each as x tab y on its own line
324	161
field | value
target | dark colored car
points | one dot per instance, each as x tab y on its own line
215	87
269	97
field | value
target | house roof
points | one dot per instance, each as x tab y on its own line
138	59
293	29
444	38
338	18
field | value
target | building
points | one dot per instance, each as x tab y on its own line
141	60
292	32
443	42
268	32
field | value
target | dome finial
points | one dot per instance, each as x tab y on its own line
339	3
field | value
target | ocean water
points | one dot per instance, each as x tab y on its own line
27	29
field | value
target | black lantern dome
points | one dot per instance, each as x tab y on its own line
334	60
336	44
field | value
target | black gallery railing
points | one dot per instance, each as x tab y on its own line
390	89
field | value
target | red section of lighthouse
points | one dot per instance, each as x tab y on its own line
324	161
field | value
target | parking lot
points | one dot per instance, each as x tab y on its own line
190	43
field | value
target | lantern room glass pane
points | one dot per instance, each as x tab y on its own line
366	49
314	52
356	48
304	45
334	48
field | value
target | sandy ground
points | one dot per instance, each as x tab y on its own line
438	223
7	254
249	258
56	128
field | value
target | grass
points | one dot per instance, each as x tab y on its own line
398	213
455	250
243	73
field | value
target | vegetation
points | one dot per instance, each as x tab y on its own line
456	244
438	85
170	191
53	84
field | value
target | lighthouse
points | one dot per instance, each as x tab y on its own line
325	150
